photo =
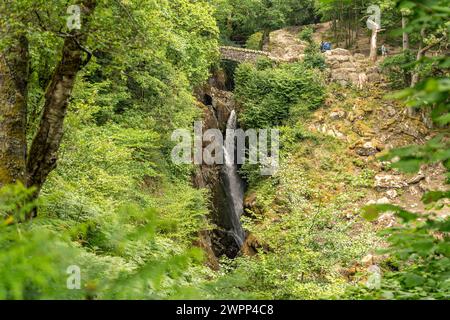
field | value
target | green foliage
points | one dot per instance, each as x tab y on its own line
313	57
16	203
410	159
31	256
308	240
115	206
254	41
419	247
431	93
33	263
272	95
399	69
122	254
349	18
239	19
420	250
306	34
119	209
430	18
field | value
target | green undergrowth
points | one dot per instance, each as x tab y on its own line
307	216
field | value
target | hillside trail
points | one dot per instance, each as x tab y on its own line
286	45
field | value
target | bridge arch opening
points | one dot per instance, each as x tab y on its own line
207	100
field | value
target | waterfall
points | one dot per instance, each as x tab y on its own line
234	188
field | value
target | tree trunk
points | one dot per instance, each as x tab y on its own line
405	34
420	54
373	45
335	28
415	76
14	69
356	29
265	40
44	148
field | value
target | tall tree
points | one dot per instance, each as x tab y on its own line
15	163
44	149
139	38
375	26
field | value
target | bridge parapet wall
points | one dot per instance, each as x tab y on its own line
242	55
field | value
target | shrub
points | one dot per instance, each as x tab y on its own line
264	63
306	34
269	96
125	254
419	264
313	57
399	69
254	41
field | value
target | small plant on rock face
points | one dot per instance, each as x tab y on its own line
313	57
306	34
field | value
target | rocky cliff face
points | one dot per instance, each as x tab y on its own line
217	105
346	68
368	124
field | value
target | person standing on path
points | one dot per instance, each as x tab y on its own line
384	50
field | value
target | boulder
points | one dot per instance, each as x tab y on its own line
354	78
390	111
337	75
379	201
363	129
342	58
387	220
374	77
348	70
392	194
348	65
340	52
368	260
389	181
367	149
337	114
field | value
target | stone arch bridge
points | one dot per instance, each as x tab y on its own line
241	55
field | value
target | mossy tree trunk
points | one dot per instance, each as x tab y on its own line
14	64
33	168
45	146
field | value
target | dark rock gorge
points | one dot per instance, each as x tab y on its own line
224	183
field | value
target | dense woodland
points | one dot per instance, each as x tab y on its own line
87	182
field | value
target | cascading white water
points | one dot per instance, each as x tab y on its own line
234	187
